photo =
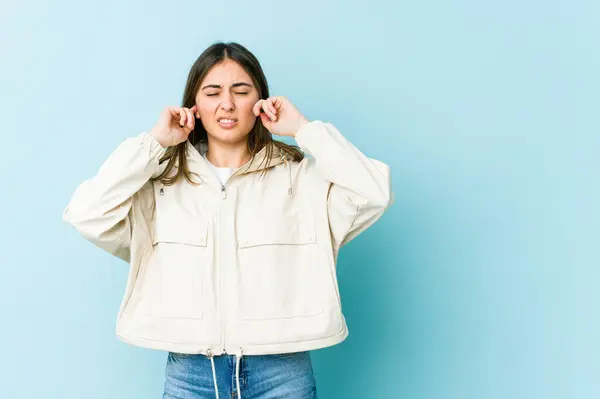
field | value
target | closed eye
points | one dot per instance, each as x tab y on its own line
216	94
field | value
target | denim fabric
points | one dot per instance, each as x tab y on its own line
279	376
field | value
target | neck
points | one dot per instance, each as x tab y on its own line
227	155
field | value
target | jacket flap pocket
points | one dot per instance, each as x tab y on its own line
294	229
190	231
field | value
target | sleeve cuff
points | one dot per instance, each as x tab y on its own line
156	150
303	134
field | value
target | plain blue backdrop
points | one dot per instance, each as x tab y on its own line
481	281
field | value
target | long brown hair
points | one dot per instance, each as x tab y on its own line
258	138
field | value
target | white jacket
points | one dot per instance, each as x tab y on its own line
249	266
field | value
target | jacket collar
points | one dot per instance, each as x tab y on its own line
198	165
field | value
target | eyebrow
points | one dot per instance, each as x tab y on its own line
238	84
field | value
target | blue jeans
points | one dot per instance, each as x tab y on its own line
260	377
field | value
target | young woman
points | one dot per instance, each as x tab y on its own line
232	237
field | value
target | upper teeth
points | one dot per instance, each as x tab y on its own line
227	120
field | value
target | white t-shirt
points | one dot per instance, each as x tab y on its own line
222	173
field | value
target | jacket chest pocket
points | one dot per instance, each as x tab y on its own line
174	285
182	230
280	275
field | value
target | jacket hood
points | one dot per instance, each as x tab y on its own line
259	162
198	165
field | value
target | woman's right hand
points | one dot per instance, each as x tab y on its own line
174	125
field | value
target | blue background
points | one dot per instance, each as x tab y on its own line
482	280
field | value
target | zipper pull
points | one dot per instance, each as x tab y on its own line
223	192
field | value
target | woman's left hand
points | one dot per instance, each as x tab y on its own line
280	116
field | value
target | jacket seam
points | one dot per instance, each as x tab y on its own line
137	275
349	227
272	344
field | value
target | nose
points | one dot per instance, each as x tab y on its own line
227	104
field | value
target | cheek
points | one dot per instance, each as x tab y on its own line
246	105
205	115
206	107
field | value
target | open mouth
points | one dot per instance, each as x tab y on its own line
227	123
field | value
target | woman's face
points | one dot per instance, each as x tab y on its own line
225	101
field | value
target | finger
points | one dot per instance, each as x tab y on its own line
268	111
194	109
182	117
256	108
174	111
265	120
272	107
190	118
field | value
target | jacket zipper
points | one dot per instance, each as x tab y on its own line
223	197
221	314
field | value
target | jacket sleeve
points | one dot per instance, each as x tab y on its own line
361	187
100	207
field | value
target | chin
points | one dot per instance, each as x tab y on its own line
229	135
